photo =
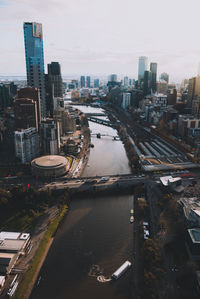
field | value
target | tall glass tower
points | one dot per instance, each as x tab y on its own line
35	60
142	67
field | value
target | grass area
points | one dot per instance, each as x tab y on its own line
29	275
21	222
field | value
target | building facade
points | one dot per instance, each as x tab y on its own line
27	144
142	67
33	41
153	69
50	137
126	100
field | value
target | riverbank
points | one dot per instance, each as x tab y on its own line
29	278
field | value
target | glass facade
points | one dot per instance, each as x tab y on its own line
33	41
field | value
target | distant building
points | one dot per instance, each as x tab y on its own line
191	91
165	77
82	81
142	67
126	82
27	144
126	100
50	137
162	87
96	83
160	99
146	82
113	78
171	96
7	92
88	80
153	69
188	125
33	40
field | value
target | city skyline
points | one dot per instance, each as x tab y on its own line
109	41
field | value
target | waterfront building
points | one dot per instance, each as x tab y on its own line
88	79
126	100
33	40
153	69
50	136
67	122
27	144
82	81
142	67
164	76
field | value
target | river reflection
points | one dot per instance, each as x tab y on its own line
96	235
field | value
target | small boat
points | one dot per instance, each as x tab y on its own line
91	145
131	219
121	270
132	211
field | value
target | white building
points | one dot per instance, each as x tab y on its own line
126	101
27	144
160	99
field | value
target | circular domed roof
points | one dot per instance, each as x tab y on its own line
51	161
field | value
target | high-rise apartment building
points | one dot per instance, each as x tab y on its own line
113	78
53	85
55	79
50	136
126	100
146	82
142	67
153	69
82	81
33	41
88	79
33	94
25	111
27	144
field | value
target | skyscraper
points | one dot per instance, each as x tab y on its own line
142	67
88	81
96	83
82	81
153	69
33	41
126	81
54	85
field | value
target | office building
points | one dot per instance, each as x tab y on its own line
33	94
50	137
146	82
7	92
96	83
55	79
82	81
126	82
142	67
162	87
153	69
27	144
33	40
113	78
165	77
126	100
25	111
88	80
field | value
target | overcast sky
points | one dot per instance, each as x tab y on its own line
99	37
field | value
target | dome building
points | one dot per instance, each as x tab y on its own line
50	166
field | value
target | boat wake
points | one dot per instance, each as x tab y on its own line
102	278
97	271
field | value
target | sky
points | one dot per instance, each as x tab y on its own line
100	37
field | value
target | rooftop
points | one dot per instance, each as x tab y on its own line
195	235
51	161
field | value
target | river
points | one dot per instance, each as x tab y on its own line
95	237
